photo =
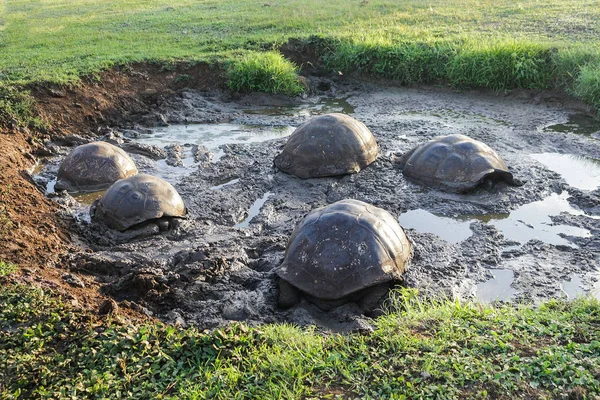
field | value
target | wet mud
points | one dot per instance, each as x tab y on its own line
529	243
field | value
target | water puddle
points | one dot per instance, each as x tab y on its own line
222	185
50	186
498	288
579	171
254	210
325	106
573	287
450	229
530	221
211	136
596	289
451	118
84	198
579	124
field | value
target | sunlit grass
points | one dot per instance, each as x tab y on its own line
60	40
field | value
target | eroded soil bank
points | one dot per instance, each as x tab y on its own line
218	265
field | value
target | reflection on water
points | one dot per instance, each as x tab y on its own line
450	229
212	136
530	221
578	171
88	198
580	124
325	106
224	184
254	210
498	288
572	288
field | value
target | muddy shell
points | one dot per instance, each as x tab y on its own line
455	163
94	166
135	200
344	248
328	145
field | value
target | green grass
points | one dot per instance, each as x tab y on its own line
466	43
439	349
265	72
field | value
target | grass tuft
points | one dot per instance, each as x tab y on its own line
17	108
503	66
266	72
587	85
406	62
7	268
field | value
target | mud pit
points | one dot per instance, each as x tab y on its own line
525	243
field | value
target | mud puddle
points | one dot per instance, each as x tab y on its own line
186	139
218	265
528	222
579	124
498	288
254	210
580	172
323	106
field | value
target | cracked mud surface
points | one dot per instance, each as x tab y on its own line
208	271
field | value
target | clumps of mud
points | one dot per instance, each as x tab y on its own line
218	265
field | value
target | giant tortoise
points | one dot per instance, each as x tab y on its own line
328	145
94	166
346	251
455	163
138	200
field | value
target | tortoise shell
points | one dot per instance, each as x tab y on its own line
94	166
343	248
455	163
328	145
135	200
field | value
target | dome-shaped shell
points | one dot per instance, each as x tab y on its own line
454	162
343	248
328	145
94	166
137	199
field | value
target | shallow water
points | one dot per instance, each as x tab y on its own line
84	198
580	124
572	288
212	136
578	171
450	229
451	118
225	184
254	210
324	106
530	221
498	288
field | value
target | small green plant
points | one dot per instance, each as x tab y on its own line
266	72
182	78
7	268
17	108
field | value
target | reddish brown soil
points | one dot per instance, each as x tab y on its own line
33	234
